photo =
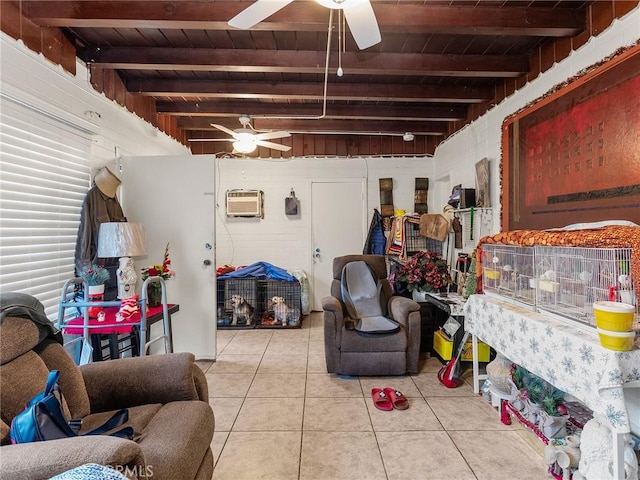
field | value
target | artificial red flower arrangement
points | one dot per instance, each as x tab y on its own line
426	271
158	270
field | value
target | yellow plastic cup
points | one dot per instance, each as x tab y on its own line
614	316
492	274
619	341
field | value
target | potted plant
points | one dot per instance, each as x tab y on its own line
543	403
519	376
154	290
426	271
95	277
535	392
553	419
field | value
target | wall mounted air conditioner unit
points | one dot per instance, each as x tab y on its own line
245	203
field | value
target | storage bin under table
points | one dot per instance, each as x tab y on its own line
444	349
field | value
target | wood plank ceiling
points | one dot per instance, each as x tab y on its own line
438	66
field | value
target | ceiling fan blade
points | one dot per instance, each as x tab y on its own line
274	146
272	135
257	12
363	24
226	130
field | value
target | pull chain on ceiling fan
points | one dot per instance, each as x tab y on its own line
340	72
359	15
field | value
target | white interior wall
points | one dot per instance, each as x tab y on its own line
49	87
456	157
284	240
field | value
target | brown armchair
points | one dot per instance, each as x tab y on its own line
166	395
350	352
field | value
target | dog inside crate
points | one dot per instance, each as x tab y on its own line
237	302
282	303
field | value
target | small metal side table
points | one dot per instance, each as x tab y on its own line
452	305
121	332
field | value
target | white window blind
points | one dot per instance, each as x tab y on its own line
44	176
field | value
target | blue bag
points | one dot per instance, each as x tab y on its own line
43	419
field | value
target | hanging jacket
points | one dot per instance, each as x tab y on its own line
376	242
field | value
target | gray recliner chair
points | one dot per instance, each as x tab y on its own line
349	351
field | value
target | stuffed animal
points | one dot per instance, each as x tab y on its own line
596	445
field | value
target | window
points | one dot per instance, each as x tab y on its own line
44	176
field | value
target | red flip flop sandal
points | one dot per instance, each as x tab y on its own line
398	400
381	400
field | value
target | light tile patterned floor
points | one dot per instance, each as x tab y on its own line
280	416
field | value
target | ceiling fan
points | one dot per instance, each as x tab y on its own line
358	13
246	139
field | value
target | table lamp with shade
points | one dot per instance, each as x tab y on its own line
123	240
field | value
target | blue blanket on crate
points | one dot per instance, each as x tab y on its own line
261	270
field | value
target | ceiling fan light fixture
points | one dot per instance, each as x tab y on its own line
244	146
245	135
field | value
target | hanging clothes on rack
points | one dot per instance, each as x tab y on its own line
396	244
100	205
376	241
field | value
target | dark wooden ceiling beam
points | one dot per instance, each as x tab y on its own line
362	63
308	91
361	127
326	126
307	16
370	112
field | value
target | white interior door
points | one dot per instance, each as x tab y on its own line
186	221
338	227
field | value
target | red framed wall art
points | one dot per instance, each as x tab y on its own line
574	155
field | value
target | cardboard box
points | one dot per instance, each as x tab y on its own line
444	348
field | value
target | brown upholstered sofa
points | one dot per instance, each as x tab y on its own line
166	395
350	352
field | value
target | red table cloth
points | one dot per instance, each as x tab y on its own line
109	325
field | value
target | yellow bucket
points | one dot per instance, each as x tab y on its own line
614	316
620	341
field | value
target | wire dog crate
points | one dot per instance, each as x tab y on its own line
280	303
255	302
570	279
508	271
237	302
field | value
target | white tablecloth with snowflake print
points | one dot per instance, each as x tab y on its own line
562	353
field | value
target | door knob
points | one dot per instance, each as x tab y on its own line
207	263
